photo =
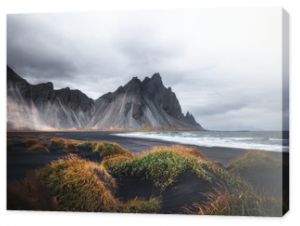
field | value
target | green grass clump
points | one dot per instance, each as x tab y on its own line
79	185
141	206
115	160
56	144
243	203
163	165
84	145
73	184
107	149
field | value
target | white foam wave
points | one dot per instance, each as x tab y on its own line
208	141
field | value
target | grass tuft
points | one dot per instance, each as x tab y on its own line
141	206
162	166
38	148
79	185
73	184
260	169
243	203
107	149
248	186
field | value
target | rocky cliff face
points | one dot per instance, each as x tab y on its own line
141	105
41	107
146	104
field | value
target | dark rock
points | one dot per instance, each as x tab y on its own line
189	118
61	109
149	103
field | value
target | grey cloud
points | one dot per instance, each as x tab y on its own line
227	79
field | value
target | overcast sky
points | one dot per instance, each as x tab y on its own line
223	64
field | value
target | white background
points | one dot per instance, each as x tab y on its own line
59	219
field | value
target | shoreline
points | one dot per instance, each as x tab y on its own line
135	144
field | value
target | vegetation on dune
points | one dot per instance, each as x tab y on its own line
260	169
30	142
56	144
79	185
103	148
243	203
117	159
73	184
108	149
253	160
70	148
162	165
38	148
16	143
261	196
141	206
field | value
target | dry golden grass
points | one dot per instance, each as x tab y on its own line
180	149
115	159
70	148
242	203
253	159
38	148
68	145
108	150
105	149
141	206
73	184
80	185
261	170
56	143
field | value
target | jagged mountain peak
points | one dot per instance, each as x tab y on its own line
156	76
140	104
12	76
45	85
136	105
134	85
135	81
154	79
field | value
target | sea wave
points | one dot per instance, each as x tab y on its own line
209	140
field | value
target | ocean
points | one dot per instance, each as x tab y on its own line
258	140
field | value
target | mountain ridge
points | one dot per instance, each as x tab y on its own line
139	104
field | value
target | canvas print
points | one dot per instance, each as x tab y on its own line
166	111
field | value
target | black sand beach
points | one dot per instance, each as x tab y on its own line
19	163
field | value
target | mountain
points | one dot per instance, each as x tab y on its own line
41	107
146	104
